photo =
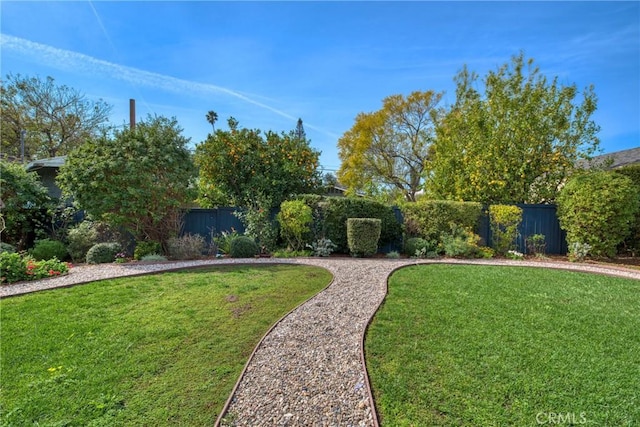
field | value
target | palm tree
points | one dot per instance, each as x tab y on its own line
212	117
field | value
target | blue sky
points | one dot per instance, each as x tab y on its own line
268	63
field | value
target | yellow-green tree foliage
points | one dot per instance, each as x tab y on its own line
295	219
387	149
515	143
504	220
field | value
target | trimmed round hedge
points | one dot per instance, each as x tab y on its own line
103	253
243	247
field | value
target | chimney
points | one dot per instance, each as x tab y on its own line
132	113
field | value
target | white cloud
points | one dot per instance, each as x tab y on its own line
74	61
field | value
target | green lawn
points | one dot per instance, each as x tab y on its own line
151	350
460	345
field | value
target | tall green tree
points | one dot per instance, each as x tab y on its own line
55	118
388	149
515	143
237	164
138	179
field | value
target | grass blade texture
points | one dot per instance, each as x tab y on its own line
496	346
152	350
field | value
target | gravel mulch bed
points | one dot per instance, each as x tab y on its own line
309	368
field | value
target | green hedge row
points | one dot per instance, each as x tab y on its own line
363	235
330	216
431	219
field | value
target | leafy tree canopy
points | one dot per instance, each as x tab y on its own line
515	143
55	118
388	149
138	179
237	164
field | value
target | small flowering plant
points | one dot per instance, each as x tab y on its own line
515	255
15	267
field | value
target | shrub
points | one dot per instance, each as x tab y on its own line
101	253
258	224
5	247
363	235
578	251
536	244
504	220
632	242
415	245
460	242
338	209
189	246
80	239
430	219
153	258
49	268
295	219
243	247
48	249
290	254
223	241
598	208
146	248
322	247
25	201
393	255
14	267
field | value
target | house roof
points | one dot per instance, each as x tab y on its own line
618	159
52	162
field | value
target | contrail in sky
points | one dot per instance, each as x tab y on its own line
74	61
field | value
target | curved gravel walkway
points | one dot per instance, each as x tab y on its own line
309	368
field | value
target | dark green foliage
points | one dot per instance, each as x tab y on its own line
339	209
80	239
47	249
536	244
139	179
430	219
363	235
5	247
632	243
103	252
243	247
25	204
146	248
598	208
418	245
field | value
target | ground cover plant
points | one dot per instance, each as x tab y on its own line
484	345
151	350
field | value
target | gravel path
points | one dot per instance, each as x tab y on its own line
308	369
